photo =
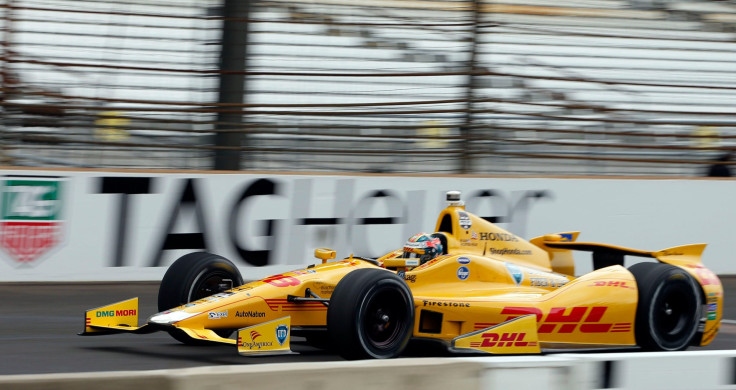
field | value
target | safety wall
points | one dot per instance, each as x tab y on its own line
61	225
645	371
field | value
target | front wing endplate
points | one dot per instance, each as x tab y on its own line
268	338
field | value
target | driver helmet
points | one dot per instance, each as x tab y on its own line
423	246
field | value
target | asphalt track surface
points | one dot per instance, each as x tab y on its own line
39	325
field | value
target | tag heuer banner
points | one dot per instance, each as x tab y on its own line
31	221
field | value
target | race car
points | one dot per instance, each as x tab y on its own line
469	285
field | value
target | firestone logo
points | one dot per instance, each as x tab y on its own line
31	221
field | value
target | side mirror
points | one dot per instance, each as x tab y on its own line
324	254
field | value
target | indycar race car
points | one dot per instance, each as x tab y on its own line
487	290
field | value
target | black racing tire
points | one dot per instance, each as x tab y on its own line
371	315
195	276
669	308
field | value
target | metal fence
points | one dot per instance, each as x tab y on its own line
590	87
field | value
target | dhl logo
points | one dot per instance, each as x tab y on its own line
611	283
585	319
706	276
285	305
506	340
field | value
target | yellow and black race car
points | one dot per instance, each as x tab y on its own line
483	289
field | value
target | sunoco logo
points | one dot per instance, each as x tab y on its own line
30	216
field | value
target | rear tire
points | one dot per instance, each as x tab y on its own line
668	312
371	315
195	276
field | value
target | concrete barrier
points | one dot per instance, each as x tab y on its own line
121	380
419	374
630	370
667	370
535	372
660	370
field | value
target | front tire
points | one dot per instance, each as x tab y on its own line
371	315
195	276
668	312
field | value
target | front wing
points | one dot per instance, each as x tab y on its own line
268	338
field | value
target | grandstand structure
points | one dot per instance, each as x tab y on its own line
575	87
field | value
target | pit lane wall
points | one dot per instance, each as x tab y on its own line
67	225
667	370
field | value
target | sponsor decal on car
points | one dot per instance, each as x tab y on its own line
445	304
537	281
585	319
611	283
116	313
216	315
249	314
463	273
463	260
706	276
282	332
253	344
498	237
509	252
464	220
506	339
515	271
712	313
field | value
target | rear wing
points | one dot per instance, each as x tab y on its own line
605	255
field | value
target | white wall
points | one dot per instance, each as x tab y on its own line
641	213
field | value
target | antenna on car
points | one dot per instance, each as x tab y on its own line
453	198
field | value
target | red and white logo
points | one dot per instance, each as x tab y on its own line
31	221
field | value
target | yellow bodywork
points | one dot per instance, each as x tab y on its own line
518	335
490	288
